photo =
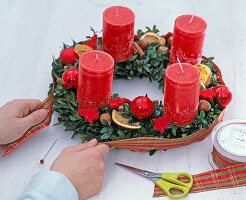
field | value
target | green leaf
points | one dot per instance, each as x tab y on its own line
121	134
59	81
146	60
105	123
105	136
77	115
72	118
174	130
69	128
154	55
184	135
74	134
202	114
65	107
154	132
204	121
58	123
140	32
83	137
111	130
133	57
104	130
156	113
146	68
140	69
142	131
210	58
197	117
69	105
59	87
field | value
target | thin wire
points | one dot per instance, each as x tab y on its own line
49	149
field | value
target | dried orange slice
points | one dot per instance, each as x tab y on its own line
153	38
124	122
205	73
163	41
81	49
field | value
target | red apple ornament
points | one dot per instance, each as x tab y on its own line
70	78
223	95
142	107
68	56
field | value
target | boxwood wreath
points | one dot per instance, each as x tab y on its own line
152	65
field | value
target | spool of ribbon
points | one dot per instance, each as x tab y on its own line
229	143
222	161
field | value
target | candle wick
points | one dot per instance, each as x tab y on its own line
97	57
117	12
192	17
180	65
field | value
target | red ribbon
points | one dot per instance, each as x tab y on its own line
46	104
221	161
227	177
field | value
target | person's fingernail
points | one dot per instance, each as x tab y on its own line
93	141
42	112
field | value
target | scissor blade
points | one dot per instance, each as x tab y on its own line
147	174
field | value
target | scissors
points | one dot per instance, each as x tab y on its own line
166	181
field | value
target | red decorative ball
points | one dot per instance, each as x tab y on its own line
70	78
223	95
68	56
142	107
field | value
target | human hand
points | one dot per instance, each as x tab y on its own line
83	165
15	119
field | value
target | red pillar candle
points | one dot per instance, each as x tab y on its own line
96	70
181	93
118	32
188	39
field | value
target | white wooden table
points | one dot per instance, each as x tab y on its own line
31	31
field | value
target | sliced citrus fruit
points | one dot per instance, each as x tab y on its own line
153	38
124	122
163	41
81	49
205	73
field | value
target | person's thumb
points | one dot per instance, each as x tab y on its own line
34	118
